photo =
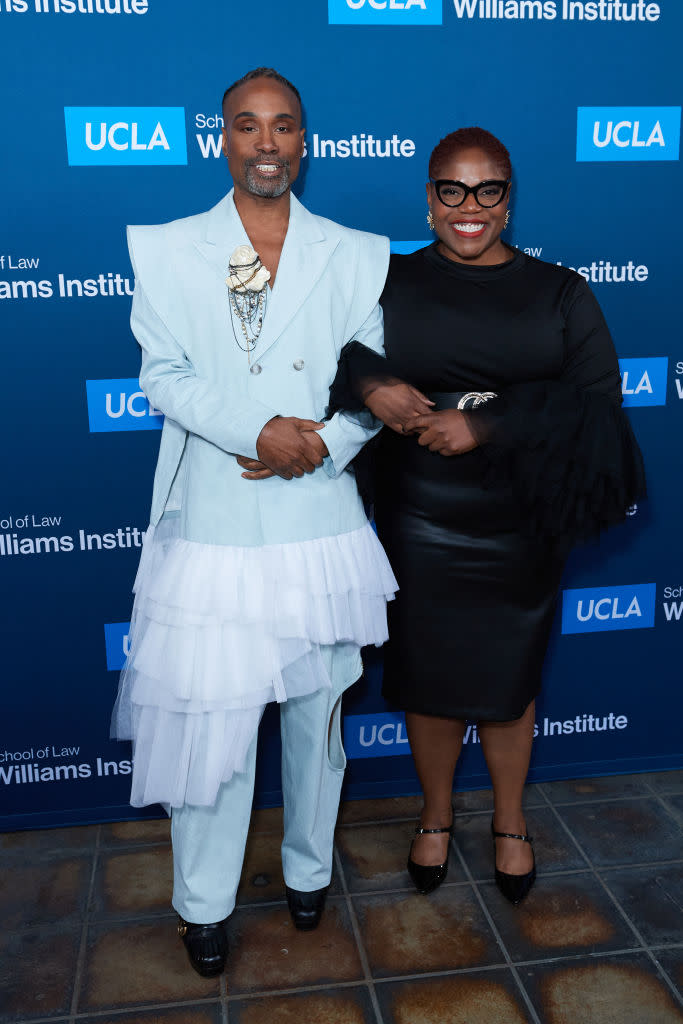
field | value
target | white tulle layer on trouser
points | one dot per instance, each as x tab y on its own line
218	631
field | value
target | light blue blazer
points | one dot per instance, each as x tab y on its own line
326	292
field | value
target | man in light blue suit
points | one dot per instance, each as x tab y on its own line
250	592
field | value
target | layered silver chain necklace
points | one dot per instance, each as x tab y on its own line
248	290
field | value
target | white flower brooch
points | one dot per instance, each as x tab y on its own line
247	273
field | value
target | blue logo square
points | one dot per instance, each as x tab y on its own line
643	381
111	136
120	405
597	609
116	644
384	12
627	133
379	735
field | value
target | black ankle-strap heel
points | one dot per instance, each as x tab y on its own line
428	877
514	887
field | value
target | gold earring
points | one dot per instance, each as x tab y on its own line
507	219
430	221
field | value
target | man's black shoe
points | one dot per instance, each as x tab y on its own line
206	945
306	908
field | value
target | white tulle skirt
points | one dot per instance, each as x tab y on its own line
217	632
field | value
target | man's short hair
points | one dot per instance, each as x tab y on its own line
262	73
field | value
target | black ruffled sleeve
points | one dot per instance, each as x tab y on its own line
566	446
568	455
359	368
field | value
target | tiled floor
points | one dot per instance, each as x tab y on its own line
88	936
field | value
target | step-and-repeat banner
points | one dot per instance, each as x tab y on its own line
111	115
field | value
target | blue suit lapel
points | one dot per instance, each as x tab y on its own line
305	254
224	232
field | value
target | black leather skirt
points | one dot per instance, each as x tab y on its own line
469	628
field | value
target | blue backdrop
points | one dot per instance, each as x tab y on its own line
111	115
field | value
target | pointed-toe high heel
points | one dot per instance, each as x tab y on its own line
514	887
428	877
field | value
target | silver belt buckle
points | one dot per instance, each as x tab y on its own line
474	398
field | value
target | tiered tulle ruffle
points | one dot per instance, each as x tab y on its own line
219	631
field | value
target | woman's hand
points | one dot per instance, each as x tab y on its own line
396	404
446	432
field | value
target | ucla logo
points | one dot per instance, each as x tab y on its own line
381	735
384	12
643	381
116	644
602	608
107	136
120	405
628	133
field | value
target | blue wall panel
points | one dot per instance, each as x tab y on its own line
584	94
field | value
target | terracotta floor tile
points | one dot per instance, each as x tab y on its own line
478	997
482	799
674	803
48	841
563	915
652	898
627	832
534	795
400	807
262	880
665	782
554	850
607	990
473	800
37	971
134	883
409	807
608	787
268	953
143	962
671	961
374	856
136	833
334	1006
33	893
206	1013
411	934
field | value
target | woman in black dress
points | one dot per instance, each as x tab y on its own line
507	445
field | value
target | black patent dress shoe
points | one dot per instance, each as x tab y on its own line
514	887
428	877
306	908
206	945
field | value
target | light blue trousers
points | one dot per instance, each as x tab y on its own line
208	842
